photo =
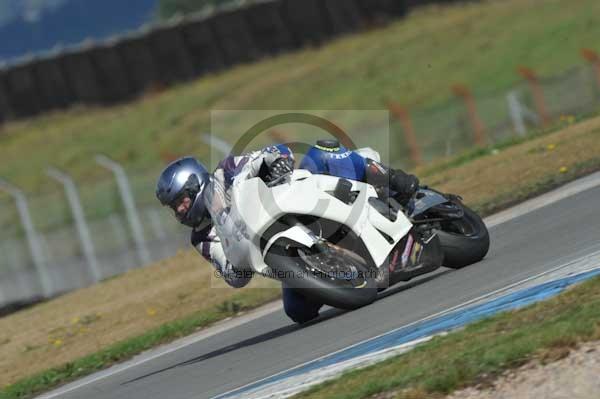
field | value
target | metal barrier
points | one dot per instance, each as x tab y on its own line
54	244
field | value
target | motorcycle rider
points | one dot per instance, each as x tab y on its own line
201	200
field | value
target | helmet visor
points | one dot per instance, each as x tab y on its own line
181	205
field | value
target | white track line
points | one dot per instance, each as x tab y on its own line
433	316
297	384
166	349
292	385
556	195
551	197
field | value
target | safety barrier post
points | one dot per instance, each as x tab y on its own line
537	92
403	116
3	297
216	143
32	237
594	59
516	115
465	94
222	147
133	216
83	231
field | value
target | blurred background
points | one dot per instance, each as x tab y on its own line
96	97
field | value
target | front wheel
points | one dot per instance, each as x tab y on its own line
464	241
331	275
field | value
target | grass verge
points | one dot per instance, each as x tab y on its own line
478	353
90	329
153	305
126	349
492	179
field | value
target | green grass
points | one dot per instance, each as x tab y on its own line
577	142
544	331
126	349
413	61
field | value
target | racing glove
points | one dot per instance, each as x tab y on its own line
280	167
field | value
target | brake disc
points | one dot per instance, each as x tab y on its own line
330	266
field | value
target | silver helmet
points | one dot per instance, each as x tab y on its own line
185	177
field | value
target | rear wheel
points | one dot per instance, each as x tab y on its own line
464	241
325	273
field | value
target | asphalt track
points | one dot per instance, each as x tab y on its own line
521	247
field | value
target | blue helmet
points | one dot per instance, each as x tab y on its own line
185	177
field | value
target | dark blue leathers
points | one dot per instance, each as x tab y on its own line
298	307
335	161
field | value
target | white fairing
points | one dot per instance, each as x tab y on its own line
368	152
255	207
299	234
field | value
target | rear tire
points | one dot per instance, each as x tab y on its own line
285	259
464	241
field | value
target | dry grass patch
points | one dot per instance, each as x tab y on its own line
91	319
515	173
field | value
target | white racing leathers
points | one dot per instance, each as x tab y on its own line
207	240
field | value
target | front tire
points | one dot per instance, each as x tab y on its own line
286	259
464	241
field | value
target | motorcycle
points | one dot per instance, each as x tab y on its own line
340	241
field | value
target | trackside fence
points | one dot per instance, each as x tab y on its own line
473	118
45	251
